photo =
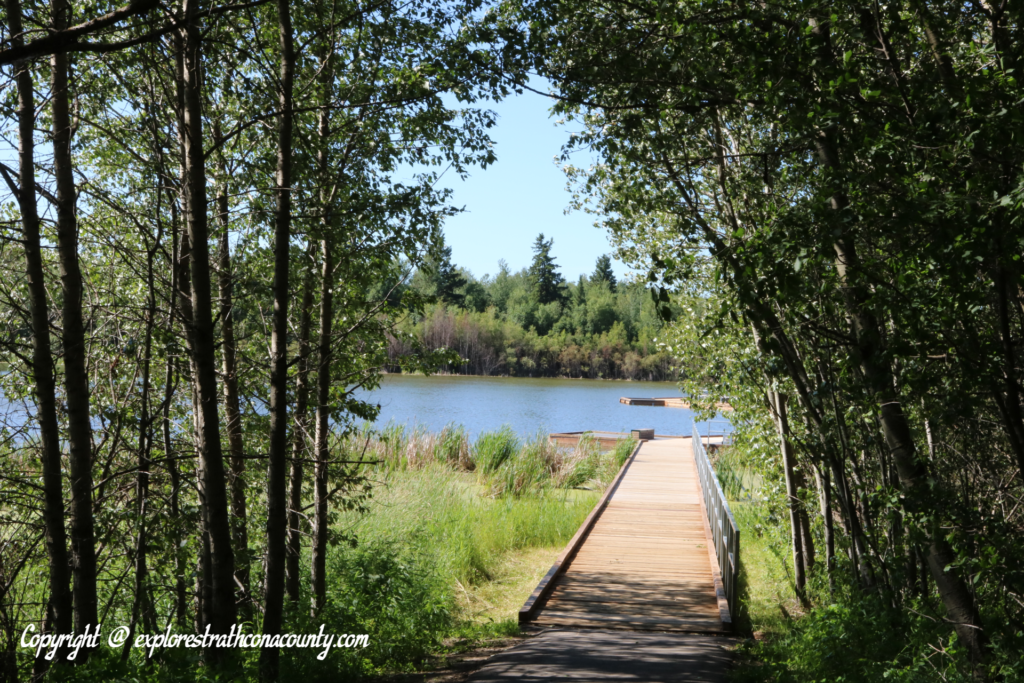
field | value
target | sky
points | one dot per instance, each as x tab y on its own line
522	194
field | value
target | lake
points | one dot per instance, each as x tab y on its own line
529	405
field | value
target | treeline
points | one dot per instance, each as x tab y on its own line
532	323
203	196
832	194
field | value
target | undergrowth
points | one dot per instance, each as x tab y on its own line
846	634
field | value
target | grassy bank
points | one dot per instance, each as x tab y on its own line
454	539
433	547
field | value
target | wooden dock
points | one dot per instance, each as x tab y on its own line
605	440
669	402
644	559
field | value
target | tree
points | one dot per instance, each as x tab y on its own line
548	283
818	157
39	369
446	278
603	272
150	112
277	464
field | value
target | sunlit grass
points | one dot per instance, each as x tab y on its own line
766	585
486	548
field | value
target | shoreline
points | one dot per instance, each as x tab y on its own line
574	379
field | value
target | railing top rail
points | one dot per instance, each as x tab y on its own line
696	438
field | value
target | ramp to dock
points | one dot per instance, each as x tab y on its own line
644	559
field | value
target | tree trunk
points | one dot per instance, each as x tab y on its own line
956	596
806	541
321	453
173	472
793	501
202	344
299	436
140	605
1012	410
826	513
806	538
76	377
232	412
59	603
320	449
276	474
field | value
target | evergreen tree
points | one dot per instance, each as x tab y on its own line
447	280
580	295
603	271
548	283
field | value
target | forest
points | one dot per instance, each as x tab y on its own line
533	323
203	205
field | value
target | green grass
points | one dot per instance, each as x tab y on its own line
506	465
493	449
445	513
766	584
450	545
442	556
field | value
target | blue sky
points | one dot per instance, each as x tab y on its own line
521	195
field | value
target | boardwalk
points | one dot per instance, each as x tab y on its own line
643	561
596	656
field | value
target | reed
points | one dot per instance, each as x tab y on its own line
493	449
505	464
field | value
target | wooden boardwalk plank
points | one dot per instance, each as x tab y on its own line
642	561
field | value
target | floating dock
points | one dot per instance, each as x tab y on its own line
606	440
669	402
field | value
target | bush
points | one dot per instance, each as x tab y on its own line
394	594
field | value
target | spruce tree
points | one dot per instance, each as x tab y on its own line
447	280
548	283
603	271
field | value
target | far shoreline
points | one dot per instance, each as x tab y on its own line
575	379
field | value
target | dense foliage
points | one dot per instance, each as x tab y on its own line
534	324
834	190
198	253
197	200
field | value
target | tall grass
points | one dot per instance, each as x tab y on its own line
440	513
623	449
505	464
447	520
493	449
452	526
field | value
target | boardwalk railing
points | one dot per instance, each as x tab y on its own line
724	531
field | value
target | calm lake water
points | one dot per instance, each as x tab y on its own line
529	405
